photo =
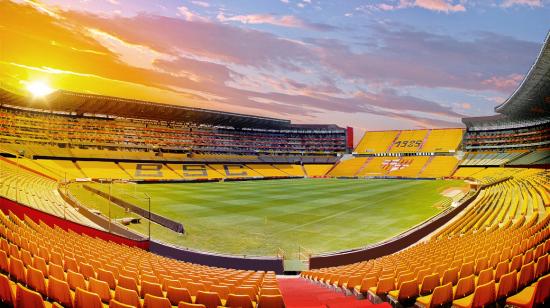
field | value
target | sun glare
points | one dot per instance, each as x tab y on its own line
39	89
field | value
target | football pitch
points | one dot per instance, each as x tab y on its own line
266	217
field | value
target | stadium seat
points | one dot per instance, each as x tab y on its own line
208	299
154	289
176	295
127	296
483	295
17	270
539	294
35	281
59	291
271	301
116	304
151	301
441	296
101	288
507	285
28	298
242	301
190	305
76	280
7	295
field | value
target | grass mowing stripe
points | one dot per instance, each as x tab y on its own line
258	217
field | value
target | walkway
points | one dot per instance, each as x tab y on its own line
300	293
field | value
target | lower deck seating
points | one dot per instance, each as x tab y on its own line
348	167
21	185
43	265
317	170
497	248
440	166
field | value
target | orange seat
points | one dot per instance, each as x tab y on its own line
526	275
189	305
507	285
85	299
195	287
35	281
100	288
152	301
6	291
59	291
539	294
485	276
176	295
239	301
26	257
4	263
28	298
170	283
541	267
17	270
501	269
152	288
87	270
40	264
107	276
441	296
70	264
116	304
208	299
55	270
127	282
76	280
223	291
429	283
271	301
127	296
450	275
464	287
483	296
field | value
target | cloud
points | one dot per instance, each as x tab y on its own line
431	60
288	21
530	3
222	66
504	83
444	6
201	3
189	15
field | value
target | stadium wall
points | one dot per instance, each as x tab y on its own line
236	262
392	245
21	210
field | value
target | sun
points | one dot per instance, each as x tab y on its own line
39	89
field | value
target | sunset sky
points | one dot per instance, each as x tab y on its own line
367	64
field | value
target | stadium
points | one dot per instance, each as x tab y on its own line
115	202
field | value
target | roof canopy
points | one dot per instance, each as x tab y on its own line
78	103
532	97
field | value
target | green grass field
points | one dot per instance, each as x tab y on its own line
259	217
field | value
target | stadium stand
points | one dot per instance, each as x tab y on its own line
376	142
292	170
133	138
102	170
443	140
267	170
511	237
440	166
317	170
65	267
22	185
408	141
348	168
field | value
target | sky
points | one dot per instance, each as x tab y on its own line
371	65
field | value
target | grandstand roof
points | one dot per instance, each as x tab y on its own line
532	97
79	103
